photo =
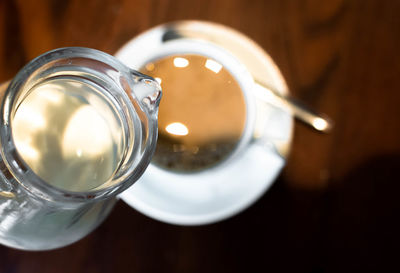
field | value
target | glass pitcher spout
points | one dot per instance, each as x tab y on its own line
147	90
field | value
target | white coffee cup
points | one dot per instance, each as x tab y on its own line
234	184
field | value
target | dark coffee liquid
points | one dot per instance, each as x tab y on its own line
202	113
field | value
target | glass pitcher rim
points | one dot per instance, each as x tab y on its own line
20	170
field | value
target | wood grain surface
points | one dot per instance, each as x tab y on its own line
335	206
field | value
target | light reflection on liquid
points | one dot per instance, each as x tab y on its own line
159	80
180	62
213	66
177	128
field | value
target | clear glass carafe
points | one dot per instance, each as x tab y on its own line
77	127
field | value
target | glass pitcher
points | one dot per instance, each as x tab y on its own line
77	127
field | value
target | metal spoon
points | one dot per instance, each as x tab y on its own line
317	121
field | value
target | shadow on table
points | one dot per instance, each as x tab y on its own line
351	226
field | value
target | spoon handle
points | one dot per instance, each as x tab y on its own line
317	121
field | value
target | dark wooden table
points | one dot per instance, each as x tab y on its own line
335	207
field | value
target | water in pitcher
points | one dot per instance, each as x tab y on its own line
80	135
68	134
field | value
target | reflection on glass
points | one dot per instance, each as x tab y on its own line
28	151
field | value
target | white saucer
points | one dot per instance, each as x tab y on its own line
234	185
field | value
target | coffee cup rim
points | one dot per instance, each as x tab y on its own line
152	41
